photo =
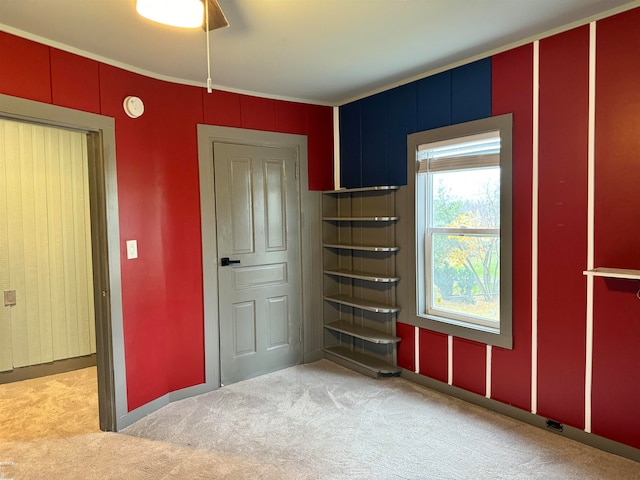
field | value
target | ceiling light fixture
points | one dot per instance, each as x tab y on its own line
177	13
186	14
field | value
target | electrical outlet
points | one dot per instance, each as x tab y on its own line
553	425
9	298
132	249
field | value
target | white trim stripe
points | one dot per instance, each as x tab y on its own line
534	230
416	340
336	148
590	226
487	392
450	360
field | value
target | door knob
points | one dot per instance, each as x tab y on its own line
225	261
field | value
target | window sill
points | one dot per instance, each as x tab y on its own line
461	323
476	333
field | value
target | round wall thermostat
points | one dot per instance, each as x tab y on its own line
133	106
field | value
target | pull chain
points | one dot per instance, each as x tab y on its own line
206	15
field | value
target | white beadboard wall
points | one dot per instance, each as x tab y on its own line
45	245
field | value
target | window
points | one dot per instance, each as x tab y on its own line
462	211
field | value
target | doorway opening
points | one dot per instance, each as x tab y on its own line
98	276
47	321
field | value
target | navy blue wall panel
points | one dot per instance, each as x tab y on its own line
373	131
350	149
402	110
434	101
373	127
471	91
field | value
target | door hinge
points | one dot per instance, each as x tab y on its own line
300	330
297	170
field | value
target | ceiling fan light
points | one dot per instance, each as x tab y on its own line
177	13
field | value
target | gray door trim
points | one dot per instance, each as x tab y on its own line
105	238
310	240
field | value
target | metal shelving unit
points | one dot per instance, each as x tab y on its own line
359	240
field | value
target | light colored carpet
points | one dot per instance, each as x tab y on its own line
317	421
56	406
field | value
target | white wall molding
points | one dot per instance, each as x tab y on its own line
590	226
534	229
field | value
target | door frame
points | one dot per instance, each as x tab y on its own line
105	242
310	240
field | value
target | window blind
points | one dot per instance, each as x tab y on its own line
473	151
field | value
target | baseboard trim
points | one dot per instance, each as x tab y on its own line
134	415
46	369
313	356
148	408
572	433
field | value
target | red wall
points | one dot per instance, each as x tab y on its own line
562	240
616	310
562	226
158	192
512	82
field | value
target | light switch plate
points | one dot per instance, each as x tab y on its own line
9	298
132	249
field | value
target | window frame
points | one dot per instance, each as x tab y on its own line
502	335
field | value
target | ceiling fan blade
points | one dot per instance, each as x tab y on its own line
216	16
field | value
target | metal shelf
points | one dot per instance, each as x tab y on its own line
362	304
364	248
360	219
364	333
368	276
378	188
374	365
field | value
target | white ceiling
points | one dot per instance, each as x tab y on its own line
321	51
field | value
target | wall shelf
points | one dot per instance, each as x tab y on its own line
375	366
369	334
364	248
360	219
377	188
608	272
359	237
613	273
368	276
362	304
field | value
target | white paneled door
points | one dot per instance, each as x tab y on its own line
45	246
259	264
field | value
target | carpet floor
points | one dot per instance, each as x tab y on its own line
56	406
316	421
